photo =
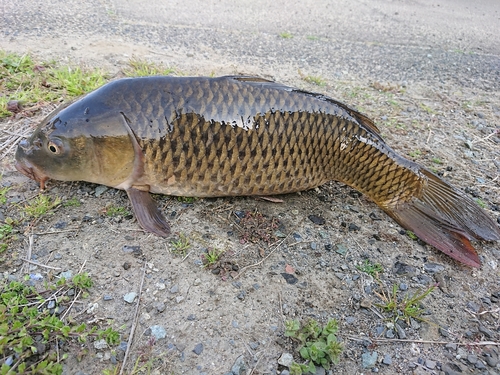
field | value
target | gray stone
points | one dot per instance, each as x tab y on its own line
66	274
451	369
198	349
368	360
239	367
160	307
158	332
430	364
253	345
471	358
487	332
130	297
100	344
107	297
387	360
451	346
480	365
101	189
174	289
433	267
401	332
320	371
286	359
389	334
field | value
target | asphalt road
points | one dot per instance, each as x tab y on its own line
396	41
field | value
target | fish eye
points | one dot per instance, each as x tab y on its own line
55	146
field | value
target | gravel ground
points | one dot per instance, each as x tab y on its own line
432	87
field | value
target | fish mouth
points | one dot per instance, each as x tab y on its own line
29	171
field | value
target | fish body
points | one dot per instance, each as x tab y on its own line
238	135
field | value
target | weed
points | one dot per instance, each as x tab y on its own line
3	193
5	231
181	245
75	81
427	109
40	205
412	235
415	154
316	80
187	199
318	345
403	308
73	202
436	160
286	35
481	203
372	269
142	68
312	37
112	210
211	257
32	333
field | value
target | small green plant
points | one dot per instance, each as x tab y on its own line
481	203
181	245
141	68
427	109
372	269
187	199
73	202
31	331
436	160
405	307
3	195
412	235
415	154
5	231
312	37
112	210
318	345
316	80
211	257
286	35
40	205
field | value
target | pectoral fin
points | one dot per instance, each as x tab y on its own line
147	213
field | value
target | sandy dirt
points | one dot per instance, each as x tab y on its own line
432	87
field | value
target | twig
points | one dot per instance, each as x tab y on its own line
188	254
260	262
134	324
30	250
41	265
70	306
387	341
57	231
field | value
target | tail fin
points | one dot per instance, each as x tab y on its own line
446	219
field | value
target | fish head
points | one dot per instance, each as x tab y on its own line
82	142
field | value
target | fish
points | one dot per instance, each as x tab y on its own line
242	136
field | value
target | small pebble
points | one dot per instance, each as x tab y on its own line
289	278
158	332
368	360
174	289
179	299
130	297
286	359
160	307
318	220
472	358
107	297
430	364
191	317
387	360
100	344
198	349
433	267
451	346
487	332
403	287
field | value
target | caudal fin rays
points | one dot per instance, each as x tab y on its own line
446	219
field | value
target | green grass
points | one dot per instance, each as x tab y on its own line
26	324
40	205
312	37
181	245
403	308
316	80
140	68
480	202
186	199
211	257
113	210
73	202
372	269
436	160
415	154
286	35
3	195
33	83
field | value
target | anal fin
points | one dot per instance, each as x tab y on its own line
147	213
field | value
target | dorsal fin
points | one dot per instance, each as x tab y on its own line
362	119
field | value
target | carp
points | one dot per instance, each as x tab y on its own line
242	136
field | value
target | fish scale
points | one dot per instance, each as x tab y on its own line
227	136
